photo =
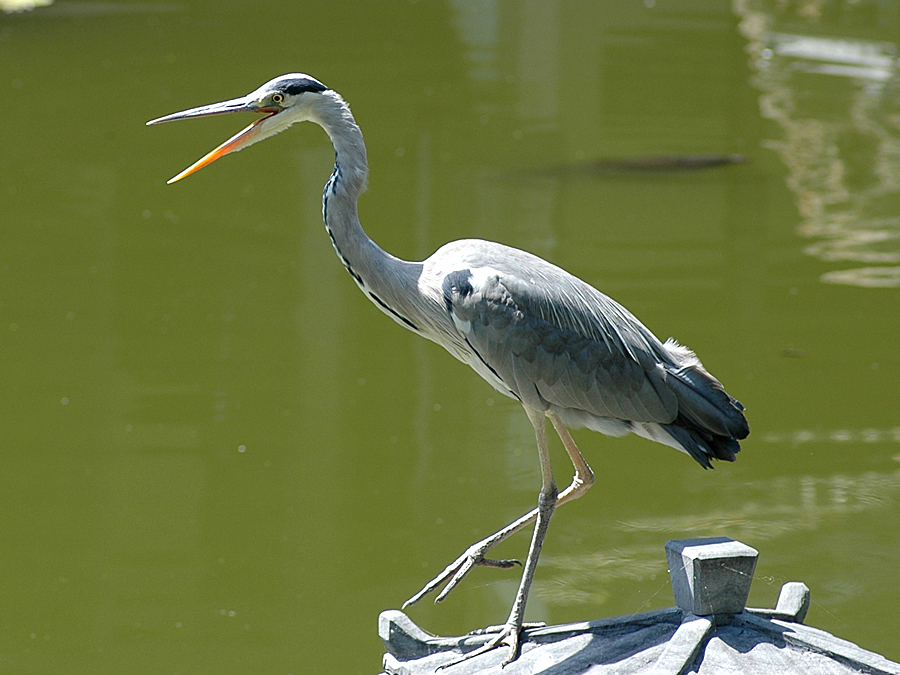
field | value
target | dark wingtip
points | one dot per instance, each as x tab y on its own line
704	405
704	447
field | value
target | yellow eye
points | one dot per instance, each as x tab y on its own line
277	98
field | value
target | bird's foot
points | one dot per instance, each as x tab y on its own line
508	635
458	569
487	630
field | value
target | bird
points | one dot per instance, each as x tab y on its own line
566	351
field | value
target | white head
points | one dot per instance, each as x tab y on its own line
283	101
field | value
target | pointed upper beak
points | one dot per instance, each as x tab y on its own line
233	144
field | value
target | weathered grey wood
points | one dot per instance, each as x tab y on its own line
794	601
413	650
654	642
566	650
793	604
685	645
662	642
711	576
826	644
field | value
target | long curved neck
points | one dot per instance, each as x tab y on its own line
389	282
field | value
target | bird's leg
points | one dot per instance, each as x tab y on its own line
474	555
584	477
509	633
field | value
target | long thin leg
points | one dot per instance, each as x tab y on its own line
548	499
584	477
509	633
474	555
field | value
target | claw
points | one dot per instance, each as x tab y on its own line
509	636
502	564
528	625
458	570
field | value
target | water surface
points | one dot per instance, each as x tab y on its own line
219	457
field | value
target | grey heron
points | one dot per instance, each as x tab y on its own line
536	333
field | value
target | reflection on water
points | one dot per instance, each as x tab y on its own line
11	6
478	24
835	99
646	163
770	509
582	579
834	436
83	9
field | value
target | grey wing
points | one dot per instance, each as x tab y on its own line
555	341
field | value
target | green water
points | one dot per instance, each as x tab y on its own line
219	457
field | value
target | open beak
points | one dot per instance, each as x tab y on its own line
240	140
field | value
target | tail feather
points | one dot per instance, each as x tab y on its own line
703	401
703	447
710	423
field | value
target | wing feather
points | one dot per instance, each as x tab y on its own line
555	342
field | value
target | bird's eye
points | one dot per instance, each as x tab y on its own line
277	98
